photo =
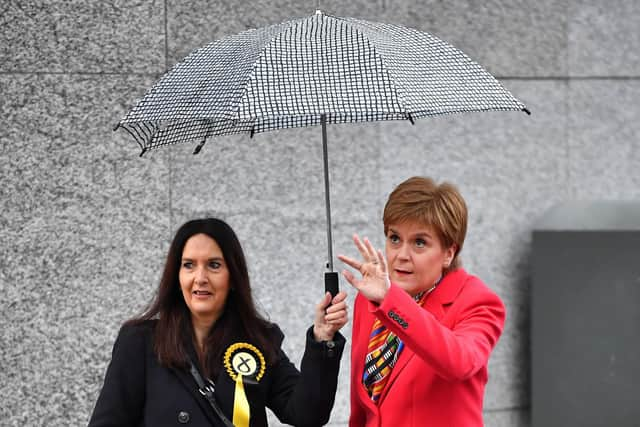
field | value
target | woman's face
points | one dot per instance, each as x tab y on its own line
415	256
204	278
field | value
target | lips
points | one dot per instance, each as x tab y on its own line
201	293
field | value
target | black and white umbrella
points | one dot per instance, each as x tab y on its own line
311	71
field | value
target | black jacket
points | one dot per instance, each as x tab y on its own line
138	391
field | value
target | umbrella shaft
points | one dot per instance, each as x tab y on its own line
327	202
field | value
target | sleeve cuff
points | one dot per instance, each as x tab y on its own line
393	293
325	349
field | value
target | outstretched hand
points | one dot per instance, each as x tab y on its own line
330	318
374	283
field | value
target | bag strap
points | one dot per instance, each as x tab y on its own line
207	391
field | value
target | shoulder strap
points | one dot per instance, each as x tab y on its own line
207	391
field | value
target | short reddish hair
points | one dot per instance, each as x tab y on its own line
440	206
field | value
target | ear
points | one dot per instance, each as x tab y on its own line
449	254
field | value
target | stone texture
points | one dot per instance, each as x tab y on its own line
354	164
82	36
507	37
82	225
604	131
603	38
279	172
275	172
507	418
196	23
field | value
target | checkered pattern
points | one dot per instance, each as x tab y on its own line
288	75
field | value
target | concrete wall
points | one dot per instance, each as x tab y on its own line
85	223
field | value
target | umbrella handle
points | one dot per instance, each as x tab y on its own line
331	283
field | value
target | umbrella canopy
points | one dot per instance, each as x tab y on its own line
315	70
290	74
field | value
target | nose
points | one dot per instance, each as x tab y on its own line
403	252
200	276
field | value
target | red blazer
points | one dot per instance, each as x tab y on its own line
440	376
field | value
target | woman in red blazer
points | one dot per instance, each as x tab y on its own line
423	328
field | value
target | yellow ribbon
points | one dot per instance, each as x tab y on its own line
241	410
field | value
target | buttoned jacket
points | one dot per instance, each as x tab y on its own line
139	391
440	375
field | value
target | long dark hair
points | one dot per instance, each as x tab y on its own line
239	320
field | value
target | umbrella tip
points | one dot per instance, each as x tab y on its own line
318	12
526	110
115	128
144	150
199	147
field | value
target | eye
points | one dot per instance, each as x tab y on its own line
394	239
187	264
421	243
215	265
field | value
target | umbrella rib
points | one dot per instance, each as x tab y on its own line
139	140
400	99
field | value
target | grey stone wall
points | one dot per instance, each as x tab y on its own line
85	223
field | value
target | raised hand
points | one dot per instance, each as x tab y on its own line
374	283
330	318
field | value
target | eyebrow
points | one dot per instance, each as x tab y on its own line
215	258
418	234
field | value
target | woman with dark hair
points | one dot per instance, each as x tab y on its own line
202	355
423	328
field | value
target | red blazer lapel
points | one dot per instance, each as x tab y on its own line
445	293
450	287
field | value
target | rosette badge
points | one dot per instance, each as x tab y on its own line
243	362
